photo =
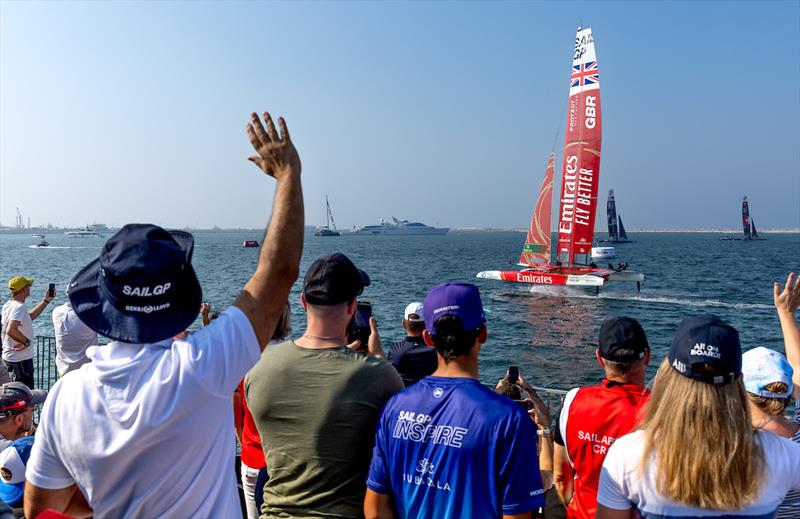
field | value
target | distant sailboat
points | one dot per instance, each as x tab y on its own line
326	230
748	226
578	200
616	231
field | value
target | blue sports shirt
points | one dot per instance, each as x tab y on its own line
450	447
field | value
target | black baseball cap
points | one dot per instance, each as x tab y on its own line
16	398
707	349
332	280
142	288
622	333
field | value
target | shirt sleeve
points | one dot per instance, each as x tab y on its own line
44	468
610	490
519	466
378	479
222	352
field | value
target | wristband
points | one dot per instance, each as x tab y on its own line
543	432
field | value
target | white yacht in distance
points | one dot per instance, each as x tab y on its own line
398	227
84	233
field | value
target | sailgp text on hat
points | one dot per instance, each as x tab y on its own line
146	291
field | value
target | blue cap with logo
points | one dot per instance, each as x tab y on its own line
707	349
457	298
13	460
142	288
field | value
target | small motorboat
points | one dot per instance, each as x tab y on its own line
250	243
43	243
603	252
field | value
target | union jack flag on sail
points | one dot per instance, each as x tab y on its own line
585	74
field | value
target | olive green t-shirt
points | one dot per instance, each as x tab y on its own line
316	412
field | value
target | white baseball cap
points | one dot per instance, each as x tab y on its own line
761	367
414	308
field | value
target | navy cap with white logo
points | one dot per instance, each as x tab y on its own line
707	349
142	288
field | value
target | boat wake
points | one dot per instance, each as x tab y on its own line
54	247
579	293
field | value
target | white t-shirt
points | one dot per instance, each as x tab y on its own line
146	430
13	310
72	339
623	486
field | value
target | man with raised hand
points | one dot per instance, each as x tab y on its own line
315	402
146	428
19	346
449	447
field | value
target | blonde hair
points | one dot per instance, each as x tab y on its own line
771	406
706	452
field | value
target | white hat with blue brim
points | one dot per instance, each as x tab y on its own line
762	367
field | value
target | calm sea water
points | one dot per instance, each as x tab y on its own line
551	337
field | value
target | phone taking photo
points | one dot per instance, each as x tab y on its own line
513	373
51	290
358	329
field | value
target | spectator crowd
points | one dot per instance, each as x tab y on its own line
330	426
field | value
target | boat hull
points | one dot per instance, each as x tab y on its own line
430	231
565	276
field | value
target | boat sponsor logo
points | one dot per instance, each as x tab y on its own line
417	427
702	349
426	468
581	43
534	278
533	248
145	291
577	193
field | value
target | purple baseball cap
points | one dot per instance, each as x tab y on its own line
458	298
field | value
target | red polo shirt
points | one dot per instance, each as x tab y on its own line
591	420
252	454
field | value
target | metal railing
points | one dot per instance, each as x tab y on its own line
45	373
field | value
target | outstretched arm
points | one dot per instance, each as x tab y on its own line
263	297
786	303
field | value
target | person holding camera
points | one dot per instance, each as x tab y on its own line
19	347
512	386
411	357
593	417
315	402
447	446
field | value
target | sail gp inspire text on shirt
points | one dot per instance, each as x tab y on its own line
452	446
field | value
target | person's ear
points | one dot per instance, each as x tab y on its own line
351	307
426	336
303	301
647	358
483	334
599	359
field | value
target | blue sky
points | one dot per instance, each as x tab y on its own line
442	112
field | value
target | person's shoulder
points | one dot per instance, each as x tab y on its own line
778	446
627	447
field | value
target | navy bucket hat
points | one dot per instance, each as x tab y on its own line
142	288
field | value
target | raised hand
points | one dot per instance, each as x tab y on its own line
277	156
788	299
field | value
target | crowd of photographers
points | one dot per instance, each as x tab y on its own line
331	427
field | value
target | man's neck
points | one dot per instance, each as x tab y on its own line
19	298
8	434
321	336
628	378
460	367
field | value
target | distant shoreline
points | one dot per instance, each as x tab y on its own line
733	232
